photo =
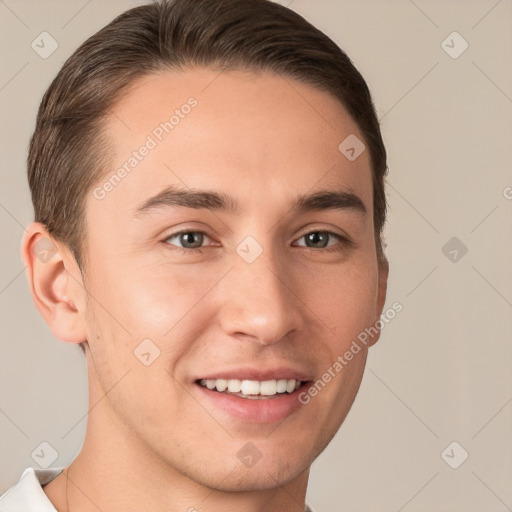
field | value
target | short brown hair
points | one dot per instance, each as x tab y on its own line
67	153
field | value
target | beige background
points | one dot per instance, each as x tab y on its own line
442	370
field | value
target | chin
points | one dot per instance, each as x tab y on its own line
262	479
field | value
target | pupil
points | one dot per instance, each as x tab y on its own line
188	238
318	237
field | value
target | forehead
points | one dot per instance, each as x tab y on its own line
236	130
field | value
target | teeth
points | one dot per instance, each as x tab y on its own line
210	384
220	384
281	385
234	386
269	387
252	387
249	387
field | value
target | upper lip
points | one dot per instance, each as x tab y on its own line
251	373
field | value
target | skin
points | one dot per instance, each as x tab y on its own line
153	442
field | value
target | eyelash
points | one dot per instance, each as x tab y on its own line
345	242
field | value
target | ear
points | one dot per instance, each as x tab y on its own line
381	296
55	283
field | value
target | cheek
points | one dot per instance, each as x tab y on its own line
344	298
168	296
148	301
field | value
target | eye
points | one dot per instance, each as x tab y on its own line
194	240
188	239
320	240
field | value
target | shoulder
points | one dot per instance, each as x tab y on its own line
27	495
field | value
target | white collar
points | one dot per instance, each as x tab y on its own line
27	494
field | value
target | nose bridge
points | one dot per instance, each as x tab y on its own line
257	299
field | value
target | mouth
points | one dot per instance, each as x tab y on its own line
254	401
253	389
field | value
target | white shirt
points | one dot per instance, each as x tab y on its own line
28	495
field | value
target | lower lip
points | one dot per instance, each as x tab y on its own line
264	410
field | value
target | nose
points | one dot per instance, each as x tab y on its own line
258	301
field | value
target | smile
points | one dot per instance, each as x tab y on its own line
253	401
252	389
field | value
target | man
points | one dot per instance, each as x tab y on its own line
208	185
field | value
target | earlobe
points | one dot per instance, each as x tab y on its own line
56	291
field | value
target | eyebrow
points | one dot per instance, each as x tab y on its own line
205	199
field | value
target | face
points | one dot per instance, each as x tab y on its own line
256	281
